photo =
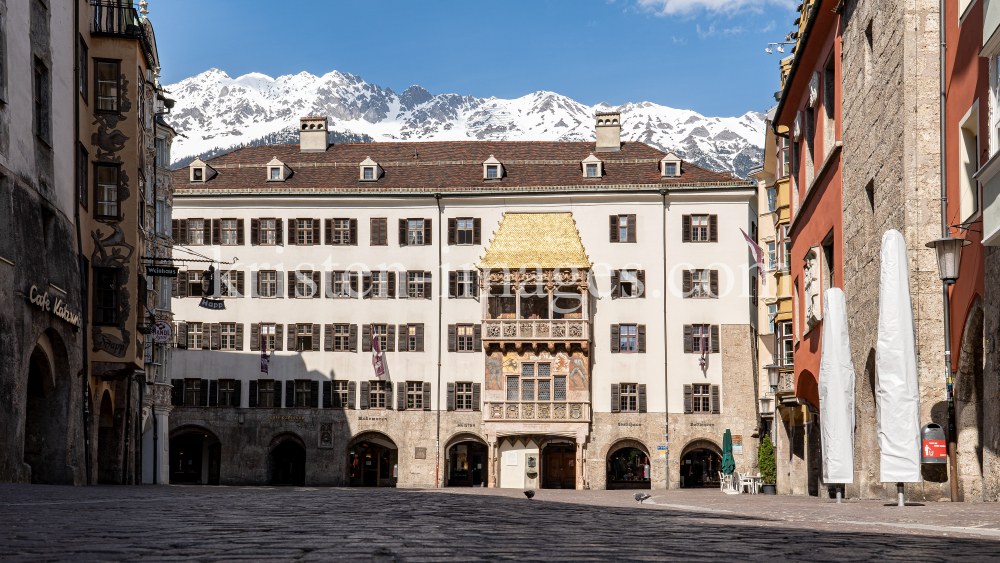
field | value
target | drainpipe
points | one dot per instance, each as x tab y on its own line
156	468
952	438
666	379
440	284
79	243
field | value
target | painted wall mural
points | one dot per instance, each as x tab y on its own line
494	372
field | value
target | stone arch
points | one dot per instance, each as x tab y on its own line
195	455
286	460
701	443
969	411
375	447
617	459
192	428
464	437
48	390
285	436
701	469
372	436
624	442
468	468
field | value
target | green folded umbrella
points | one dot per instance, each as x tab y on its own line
728	463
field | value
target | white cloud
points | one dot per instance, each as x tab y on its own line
684	7
769	27
679	40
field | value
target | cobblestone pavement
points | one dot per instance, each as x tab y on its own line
172	523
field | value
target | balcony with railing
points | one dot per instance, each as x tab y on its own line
119	19
536	329
786	383
555	411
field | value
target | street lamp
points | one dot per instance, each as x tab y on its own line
949	256
772	377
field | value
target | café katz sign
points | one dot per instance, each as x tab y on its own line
53	305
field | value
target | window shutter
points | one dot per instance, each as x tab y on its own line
615	339
686	284
352	389
713	283
329	285
327	394
715	400
177	393
475	284
292	238
182	336
291	285
615	279
254	337
366	338
402	232
428	285
420	338
477	338
240	237
630	231
254	232
239	283
316	231
402	339
477	227
687	400
391	285
279	285
239	336
452	285
317	287
328	338
366	285
183	223
452	231
388	394
289	394
427	396
686	228
278	232
238	393
315	338
252	395
352	338
390	338
615	398
293	330
175	229
614	228
428	232
451	396
277	394
278	335
641	339
173	286
254	283
713	228
354	284
715	339
353	224
213	393
452	338
640	276
182	284
400	396
314	394
328	231
215	336
642	397
216	231
688	339
203	395
476	390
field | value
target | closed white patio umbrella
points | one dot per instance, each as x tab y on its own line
836	392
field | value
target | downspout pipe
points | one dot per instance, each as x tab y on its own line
79	243
945	232
440	286
666	377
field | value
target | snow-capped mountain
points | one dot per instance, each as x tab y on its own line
216	113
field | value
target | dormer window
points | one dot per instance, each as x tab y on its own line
592	167
197	174
492	169
591	170
277	171
200	172
491	172
370	170
670	166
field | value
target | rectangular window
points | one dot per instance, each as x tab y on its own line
369	173
275	173
106	86
784	158
267	336
626	228
196	231
772	196
628	284
229	283
160	224
464	233
415	232
106	190
227	393
465	284
229	231
341	232
629	397
591	170
192	393
194	283
227	336
341	338
304	286
415	284
106	291
339	399
380	232
265	392
42	103
414	395
701	398
162	153
702	338
787	337
341	284
463	396
559	384
699	228
380	285
772	311
536	381
528	382
512	388
268	280
627	338
671	168
267	232
700	283
376	394
465	340
303	337
195	341
411	338
491	171
772	256
380	332
303	388
304	231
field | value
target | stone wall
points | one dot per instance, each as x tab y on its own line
613	430
991	378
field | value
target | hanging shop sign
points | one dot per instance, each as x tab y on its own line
214	304
207	288
55	306
161	271
162	332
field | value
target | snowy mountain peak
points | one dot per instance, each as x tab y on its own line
216	112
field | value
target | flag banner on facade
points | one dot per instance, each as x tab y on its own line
836	391
758	256
378	360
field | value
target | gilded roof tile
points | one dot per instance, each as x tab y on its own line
546	240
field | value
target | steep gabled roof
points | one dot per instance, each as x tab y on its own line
536	240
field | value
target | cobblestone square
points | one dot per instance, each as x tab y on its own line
172	523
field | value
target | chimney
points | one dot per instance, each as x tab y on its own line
312	134
609	131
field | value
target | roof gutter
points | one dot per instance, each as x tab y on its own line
796	61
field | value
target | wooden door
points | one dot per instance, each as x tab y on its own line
560	467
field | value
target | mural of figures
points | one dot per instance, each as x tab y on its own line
511	363
561	363
578	377
494	372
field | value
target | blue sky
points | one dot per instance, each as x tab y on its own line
704	55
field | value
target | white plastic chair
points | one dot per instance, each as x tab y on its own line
746	483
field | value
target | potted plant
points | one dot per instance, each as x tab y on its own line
768	468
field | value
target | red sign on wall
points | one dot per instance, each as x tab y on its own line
935	448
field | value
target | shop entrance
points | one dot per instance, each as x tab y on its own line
372	461
628	468
700	468
288	460
467	464
44	424
108	450
195	458
559	466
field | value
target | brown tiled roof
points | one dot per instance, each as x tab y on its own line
454	166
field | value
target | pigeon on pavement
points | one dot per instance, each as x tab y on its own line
639	497
529	493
